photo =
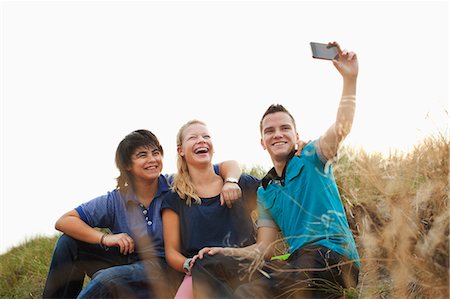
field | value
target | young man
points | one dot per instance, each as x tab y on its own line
299	196
132	213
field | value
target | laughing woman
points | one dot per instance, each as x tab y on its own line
192	214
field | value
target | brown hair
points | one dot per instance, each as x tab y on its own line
125	150
273	109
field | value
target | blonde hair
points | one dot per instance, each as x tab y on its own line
182	183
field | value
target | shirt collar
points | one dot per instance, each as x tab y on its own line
163	187
272	175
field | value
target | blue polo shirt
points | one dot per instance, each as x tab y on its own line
306	206
125	214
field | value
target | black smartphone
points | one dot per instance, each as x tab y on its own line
324	51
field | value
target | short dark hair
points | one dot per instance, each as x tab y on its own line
273	109
125	150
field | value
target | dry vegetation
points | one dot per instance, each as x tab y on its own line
398	210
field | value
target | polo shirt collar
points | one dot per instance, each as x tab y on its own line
272	175
163	187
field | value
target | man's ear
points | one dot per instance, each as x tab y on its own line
262	144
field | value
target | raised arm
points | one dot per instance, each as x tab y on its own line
347	65
71	224
230	191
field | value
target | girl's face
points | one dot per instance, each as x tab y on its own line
196	146
146	163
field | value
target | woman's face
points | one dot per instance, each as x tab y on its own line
146	163
196	147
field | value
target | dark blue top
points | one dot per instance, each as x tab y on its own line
210	224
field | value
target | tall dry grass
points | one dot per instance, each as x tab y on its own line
397	207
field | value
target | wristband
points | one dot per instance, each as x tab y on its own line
101	241
187	266
232	180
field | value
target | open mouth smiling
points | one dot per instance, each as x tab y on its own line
201	150
279	143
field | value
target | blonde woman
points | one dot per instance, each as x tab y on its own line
192	214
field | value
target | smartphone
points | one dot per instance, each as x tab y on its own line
324	51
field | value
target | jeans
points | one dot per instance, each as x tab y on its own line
310	272
72	259
218	276
143	279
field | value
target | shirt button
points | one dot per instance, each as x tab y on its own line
145	212
149	223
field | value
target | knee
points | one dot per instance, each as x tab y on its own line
66	243
213	260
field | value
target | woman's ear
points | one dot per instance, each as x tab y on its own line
180	151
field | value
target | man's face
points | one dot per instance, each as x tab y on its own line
146	163
278	135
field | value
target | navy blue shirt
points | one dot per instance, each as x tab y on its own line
210	224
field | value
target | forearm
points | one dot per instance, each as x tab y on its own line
175	259
346	109
330	141
78	229
229	169
255	251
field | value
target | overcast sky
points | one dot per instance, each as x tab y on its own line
76	77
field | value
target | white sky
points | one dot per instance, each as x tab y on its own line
76	77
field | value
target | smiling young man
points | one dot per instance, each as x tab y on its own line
299	196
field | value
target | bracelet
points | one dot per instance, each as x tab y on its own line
187	266
101	241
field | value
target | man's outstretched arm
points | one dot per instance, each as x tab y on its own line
347	65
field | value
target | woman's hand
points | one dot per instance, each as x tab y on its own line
123	241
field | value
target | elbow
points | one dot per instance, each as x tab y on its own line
60	224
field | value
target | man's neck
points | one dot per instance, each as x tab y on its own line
145	191
279	166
